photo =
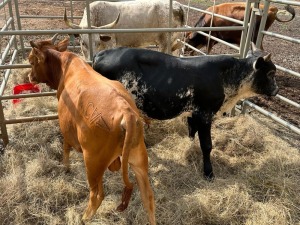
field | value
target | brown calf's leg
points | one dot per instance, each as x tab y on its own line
66	156
95	175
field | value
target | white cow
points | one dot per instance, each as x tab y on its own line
133	14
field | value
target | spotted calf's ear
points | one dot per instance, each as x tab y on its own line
258	63
267	57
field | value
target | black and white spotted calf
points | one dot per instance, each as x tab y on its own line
165	86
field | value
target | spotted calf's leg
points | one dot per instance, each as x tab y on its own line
204	133
192	126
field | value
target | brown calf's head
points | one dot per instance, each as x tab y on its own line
39	61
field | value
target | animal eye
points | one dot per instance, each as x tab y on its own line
271	75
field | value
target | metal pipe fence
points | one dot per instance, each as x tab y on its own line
261	32
16	47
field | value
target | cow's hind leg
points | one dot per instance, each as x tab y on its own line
204	133
138	160
66	155
192	126
95	173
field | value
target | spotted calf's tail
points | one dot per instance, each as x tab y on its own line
128	123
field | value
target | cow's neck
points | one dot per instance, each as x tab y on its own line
238	79
54	69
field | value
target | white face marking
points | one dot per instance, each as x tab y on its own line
170	80
233	95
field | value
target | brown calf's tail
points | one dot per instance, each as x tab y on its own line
129	125
289	9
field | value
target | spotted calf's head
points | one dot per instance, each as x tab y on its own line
39	61
264	72
98	40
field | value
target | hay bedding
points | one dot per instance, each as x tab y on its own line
256	164
257	174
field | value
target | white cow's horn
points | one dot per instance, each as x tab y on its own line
108	26
53	39
69	23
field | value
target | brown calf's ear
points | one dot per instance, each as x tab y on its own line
33	45
258	63
39	54
105	38
63	45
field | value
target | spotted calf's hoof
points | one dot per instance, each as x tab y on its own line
210	176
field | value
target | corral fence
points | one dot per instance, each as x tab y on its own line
14	50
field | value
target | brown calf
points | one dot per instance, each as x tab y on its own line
98	118
235	10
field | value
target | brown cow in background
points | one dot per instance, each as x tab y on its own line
235	10
98	118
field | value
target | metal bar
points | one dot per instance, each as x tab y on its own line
285	2
4	134
12	25
294	40
272	116
31	119
262	23
31	95
220	40
19	27
72	15
7	48
288	101
46	17
88	16
192	47
104	31
244	32
7	72
14	66
288	71
170	25
3	3
249	33
8	22
215	14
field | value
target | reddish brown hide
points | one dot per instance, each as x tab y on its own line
98	118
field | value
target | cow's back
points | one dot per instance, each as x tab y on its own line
80	109
159	80
136	14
